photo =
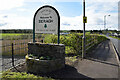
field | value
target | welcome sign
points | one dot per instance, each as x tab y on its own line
47	20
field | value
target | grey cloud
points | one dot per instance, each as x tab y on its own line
67	24
99	21
3	24
5	16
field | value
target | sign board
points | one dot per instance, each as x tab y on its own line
84	19
47	20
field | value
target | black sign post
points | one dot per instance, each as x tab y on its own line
83	39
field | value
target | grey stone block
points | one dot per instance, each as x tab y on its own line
43	66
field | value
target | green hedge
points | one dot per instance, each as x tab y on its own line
73	42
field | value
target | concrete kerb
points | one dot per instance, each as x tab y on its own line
118	60
116	53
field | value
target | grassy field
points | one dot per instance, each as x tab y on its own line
12	34
5	35
15	36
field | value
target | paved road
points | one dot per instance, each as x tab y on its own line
116	42
101	63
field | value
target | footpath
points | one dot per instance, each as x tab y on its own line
101	63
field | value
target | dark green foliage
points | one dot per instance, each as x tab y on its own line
50	38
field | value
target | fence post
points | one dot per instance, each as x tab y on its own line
94	39
12	54
13	57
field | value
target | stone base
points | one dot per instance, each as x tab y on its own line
55	51
43	66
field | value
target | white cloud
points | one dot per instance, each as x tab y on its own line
47	1
92	1
17	22
22	9
9	4
95	11
69	23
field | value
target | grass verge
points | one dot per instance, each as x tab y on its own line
7	75
114	37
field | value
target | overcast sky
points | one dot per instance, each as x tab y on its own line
18	14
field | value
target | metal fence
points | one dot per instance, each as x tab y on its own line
20	47
13	52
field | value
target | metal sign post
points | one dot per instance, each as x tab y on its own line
33	30
83	39
46	20
58	32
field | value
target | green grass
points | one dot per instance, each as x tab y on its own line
22	76
114	37
72	59
18	36
87	32
69	50
12	34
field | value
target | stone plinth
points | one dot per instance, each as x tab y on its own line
43	66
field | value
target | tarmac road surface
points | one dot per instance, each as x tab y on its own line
116	42
101	63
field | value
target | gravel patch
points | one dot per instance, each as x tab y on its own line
7	63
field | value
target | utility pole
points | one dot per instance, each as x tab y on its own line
83	39
105	22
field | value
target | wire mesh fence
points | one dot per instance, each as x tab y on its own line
17	45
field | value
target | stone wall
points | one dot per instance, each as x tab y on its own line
51	50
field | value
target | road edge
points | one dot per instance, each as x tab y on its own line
117	57
116	53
